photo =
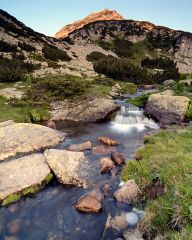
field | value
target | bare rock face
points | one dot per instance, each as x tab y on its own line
89	110
91	202
21	176
67	166
102	15
167	108
106	164
108	141
80	147
25	138
127	193
118	158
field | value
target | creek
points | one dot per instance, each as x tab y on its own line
49	214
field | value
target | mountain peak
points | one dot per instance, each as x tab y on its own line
102	15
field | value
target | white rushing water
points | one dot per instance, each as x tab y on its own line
131	118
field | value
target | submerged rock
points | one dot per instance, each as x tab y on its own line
118	158
132	218
51	124
167	108
25	138
22	176
127	193
91	202
132	234
92	109
106	164
108	141
67	166
101	150
80	147
14	226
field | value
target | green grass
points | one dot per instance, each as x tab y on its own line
11	199
139	101
166	156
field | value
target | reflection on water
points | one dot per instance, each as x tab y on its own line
49	214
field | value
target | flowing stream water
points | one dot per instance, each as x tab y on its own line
49	214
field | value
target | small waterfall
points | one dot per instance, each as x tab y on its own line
132	118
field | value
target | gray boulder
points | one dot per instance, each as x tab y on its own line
22	176
88	110
25	138
67	166
167	108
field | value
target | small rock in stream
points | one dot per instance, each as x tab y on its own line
118	158
14	226
92	202
108	141
106	164
80	147
101	150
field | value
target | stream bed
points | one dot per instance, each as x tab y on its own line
49	214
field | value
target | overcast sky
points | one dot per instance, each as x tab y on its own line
48	16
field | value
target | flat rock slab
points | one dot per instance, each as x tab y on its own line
11	93
19	174
25	138
67	166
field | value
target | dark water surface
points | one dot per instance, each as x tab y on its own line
50	214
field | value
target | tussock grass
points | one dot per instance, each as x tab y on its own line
166	156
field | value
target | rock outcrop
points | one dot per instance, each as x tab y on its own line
105	14
67	166
88	110
26	137
167	108
22	176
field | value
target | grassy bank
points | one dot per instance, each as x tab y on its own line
40	92
163	171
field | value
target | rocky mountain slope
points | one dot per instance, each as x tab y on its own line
105	14
161	40
85	36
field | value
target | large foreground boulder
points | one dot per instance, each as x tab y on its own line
167	108
67	166
88	110
25	138
22	176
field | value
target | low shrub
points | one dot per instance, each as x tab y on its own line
7	47
26	47
55	54
96	56
14	70
188	114
45	90
122	69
